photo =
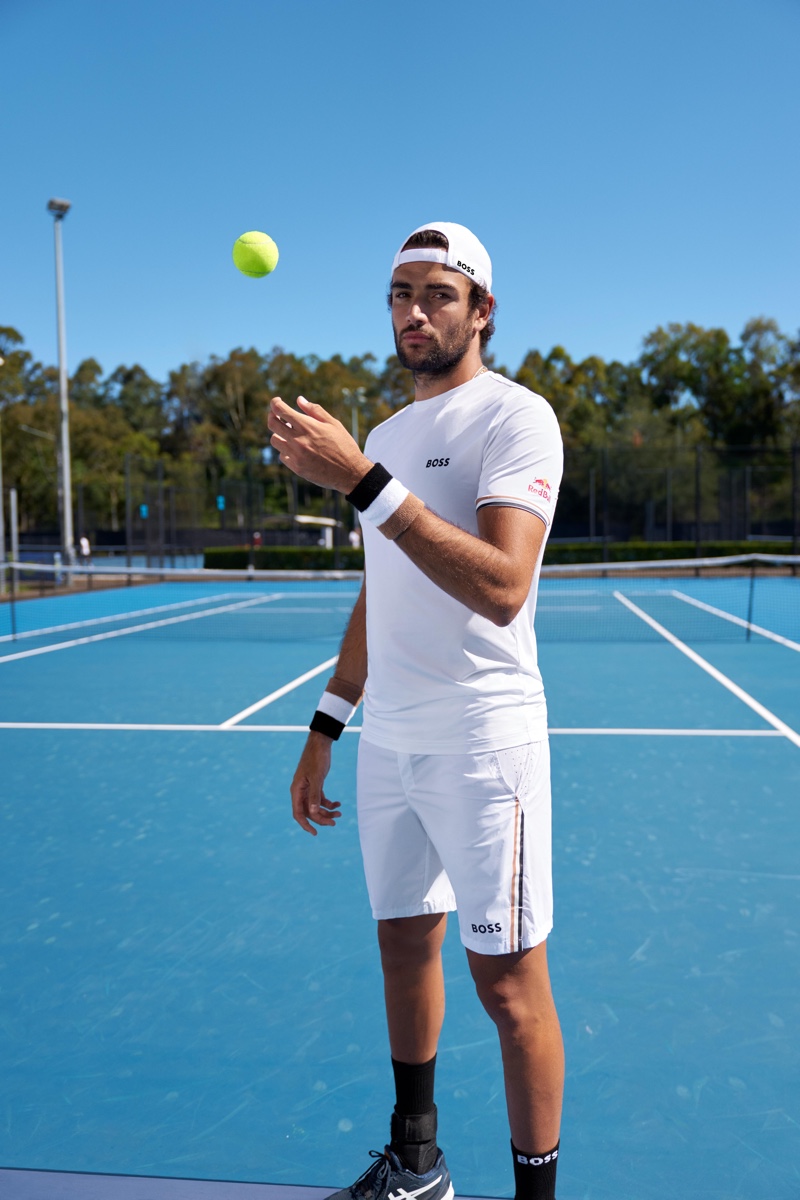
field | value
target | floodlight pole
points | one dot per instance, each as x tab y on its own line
356	398
2	508
59	209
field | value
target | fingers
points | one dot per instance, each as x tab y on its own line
291	417
310	804
314	410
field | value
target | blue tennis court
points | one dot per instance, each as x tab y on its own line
190	986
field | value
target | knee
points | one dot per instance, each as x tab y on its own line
409	941
505	1004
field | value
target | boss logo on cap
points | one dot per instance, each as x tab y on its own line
464	267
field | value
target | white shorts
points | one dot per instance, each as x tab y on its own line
466	831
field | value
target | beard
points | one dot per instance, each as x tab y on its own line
439	357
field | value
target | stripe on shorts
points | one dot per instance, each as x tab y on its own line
515	923
521	891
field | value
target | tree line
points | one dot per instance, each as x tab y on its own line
206	425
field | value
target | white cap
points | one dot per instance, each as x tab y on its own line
465	253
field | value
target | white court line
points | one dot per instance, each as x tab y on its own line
671	732
706	666
115	633
144	612
282	691
150	728
124	616
726	616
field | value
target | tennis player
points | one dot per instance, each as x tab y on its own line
456	494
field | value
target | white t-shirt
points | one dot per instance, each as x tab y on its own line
441	679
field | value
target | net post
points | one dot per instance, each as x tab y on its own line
750	597
13	603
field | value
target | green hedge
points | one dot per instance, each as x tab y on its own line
317	558
283	558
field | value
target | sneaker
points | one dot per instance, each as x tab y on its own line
388	1179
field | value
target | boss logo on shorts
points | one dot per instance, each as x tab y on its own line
537	1160
493	927
438	462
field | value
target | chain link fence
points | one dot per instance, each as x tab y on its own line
693	498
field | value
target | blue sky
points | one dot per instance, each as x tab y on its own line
626	162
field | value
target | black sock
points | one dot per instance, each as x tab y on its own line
535	1174
413	1085
414	1118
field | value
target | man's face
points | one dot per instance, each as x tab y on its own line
432	322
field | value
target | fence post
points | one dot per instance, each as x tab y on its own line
748	485
605	504
698	503
173	524
128	512
2	535
13	520
592	503
14	532
795	503
161	534
337	558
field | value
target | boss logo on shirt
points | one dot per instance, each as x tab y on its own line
438	462
496	927
464	267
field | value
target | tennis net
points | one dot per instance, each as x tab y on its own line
746	598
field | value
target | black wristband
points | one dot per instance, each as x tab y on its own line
324	723
369	488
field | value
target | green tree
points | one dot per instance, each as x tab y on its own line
738	391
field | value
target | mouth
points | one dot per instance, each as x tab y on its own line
414	337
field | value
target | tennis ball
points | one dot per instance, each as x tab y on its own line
255	254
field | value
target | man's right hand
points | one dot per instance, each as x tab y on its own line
309	802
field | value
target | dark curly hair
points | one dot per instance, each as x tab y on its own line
432	239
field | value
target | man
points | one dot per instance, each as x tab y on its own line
456	494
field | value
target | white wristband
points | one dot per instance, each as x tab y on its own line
336	707
386	503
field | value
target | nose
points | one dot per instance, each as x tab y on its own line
416	314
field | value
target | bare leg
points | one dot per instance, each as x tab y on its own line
515	991
411	956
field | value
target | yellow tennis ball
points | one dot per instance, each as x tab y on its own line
255	254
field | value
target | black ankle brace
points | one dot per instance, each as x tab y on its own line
414	1140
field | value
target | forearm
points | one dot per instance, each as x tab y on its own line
352	664
344	688
491	573
472	570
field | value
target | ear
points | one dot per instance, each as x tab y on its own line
483	312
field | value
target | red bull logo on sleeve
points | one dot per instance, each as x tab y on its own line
540	487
